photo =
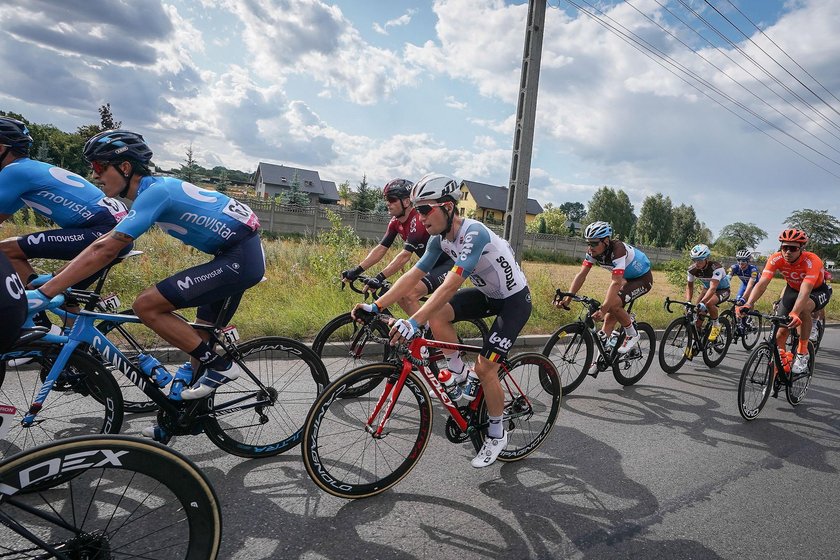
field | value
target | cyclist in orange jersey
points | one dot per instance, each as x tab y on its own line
806	290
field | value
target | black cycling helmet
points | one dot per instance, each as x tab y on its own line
397	188
13	133
118	145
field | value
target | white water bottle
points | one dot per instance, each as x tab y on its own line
448	381
470	387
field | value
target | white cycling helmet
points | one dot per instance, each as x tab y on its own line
598	230
700	252
433	187
743	254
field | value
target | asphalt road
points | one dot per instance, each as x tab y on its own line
664	469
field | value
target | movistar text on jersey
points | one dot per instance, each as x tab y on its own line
213	224
77	207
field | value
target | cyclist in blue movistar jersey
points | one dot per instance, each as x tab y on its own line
207	220
715	282
500	289
631	279
81	210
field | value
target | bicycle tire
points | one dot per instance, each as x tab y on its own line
126	497
342	346
564	350
820	331
756	381
715	352
755	327
530	392
796	389
84	400
341	457
637	361
276	426
677	342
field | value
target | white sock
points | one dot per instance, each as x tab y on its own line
630	330
495	429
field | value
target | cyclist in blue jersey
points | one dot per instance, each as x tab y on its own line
207	220
631	279
715	282
748	274
78	208
501	290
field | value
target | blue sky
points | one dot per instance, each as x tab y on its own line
400	88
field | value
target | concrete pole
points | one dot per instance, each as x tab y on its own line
523	136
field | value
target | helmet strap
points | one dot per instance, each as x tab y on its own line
404	208
127	178
5	153
450	216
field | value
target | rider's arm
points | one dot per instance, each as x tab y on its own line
439	298
374	256
577	282
707	295
396	263
612	299
802	299
689	288
410	279
96	256
758	289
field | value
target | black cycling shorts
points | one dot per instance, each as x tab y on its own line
511	315
635	287
820	296
13	304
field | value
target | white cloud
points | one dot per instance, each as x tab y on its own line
403	20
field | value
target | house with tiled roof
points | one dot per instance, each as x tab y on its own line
271	180
487	203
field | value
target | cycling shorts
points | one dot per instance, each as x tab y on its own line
511	315
437	275
635	287
206	286
820	296
13	305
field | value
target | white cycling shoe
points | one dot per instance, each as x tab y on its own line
490	451
210	381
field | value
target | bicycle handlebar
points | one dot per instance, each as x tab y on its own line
362	280
592	303
686	304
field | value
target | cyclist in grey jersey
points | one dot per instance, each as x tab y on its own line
501	290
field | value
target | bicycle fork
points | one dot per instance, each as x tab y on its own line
56	369
387	400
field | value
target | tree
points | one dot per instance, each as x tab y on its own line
655	221
345	193
224	182
294	196
613	207
822	228
684	226
574	211
551	220
365	198
106	122
741	236
189	169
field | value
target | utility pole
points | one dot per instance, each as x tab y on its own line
523	136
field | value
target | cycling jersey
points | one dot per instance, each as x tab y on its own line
622	259
481	255
60	195
207	220
413	232
808	269
712	271
745	275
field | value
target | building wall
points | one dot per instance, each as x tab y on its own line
467	203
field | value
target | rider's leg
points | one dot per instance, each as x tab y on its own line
155	311
410	303
11	248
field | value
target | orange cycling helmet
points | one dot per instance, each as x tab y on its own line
793	235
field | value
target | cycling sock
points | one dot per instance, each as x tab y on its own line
630	329
204	354
802	348
454	362
495	429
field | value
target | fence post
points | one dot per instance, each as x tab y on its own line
315	221
271	217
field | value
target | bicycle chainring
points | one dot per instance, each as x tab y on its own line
453	432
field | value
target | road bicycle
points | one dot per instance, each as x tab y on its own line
572	348
100	496
359	446
257	415
343	344
684	339
748	329
765	372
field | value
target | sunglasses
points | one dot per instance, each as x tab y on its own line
99	167
790	248
699	259
392	199
743	260
426	209
594	243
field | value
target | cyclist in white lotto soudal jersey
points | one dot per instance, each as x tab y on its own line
500	289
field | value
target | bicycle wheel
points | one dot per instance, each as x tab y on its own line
715	352
570	349
630	367
343	345
820	331
752	331
85	399
676	346
798	386
756	382
532	394
472	331
127	498
246	420
342	457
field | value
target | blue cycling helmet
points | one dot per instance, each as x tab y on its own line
700	252
13	133
117	145
598	230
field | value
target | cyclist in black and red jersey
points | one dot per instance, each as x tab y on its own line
406	223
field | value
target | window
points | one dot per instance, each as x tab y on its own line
461	210
465	195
